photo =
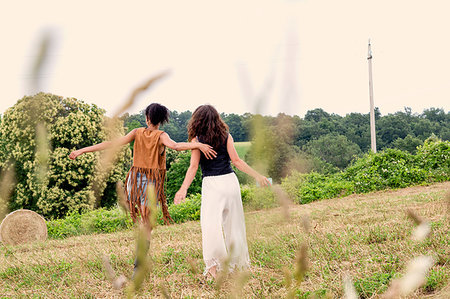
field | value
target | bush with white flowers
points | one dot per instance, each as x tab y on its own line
49	182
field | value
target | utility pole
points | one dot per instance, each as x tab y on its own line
373	138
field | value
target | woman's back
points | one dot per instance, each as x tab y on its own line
149	165
147	152
220	165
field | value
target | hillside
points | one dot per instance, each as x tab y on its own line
367	236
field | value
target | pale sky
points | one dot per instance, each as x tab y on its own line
300	54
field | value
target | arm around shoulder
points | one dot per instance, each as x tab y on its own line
182	146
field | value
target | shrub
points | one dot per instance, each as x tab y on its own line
305	188
47	180
176	174
334	149
292	183
257	198
434	157
390	168
108	221
408	144
269	153
97	221
253	198
185	211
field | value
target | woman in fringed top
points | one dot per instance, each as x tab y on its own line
149	164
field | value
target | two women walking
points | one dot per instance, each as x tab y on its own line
222	215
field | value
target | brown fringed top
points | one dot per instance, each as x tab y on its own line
149	159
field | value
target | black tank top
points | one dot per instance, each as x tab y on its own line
219	165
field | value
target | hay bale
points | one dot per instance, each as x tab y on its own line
22	226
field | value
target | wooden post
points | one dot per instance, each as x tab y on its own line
373	138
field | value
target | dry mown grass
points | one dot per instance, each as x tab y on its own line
367	237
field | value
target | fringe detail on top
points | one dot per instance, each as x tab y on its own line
155	175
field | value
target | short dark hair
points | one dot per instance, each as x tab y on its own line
157	114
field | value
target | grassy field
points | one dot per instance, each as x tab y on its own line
365	236
242	148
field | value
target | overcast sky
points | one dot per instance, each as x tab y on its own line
291	56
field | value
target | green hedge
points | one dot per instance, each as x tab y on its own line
390	168
97	221
256	198
305	188
107	221
185	211
434	157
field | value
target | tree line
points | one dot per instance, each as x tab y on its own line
400	129
326	141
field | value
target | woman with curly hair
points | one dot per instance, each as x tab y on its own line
222	215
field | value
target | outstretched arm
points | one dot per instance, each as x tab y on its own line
104	145
182	146
242	166
190	175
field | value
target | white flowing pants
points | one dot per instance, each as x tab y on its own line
223	224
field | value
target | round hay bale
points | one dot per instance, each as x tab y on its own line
23	226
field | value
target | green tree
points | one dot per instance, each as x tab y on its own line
357	129
334	149
177	126
423	128
391	127
131	121
408	144
445	133
435	115
133	125
316	115
237	129
270	154
434	156
66	185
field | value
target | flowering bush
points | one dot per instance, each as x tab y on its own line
390	168
434	157
47	180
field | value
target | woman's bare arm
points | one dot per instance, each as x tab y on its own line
242	166
182	146
104	145
190	175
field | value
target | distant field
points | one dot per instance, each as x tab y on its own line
242	148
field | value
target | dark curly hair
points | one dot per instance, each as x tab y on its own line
207	124
157	114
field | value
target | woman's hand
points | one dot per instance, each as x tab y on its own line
75	154
180	196
207	150
262	181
